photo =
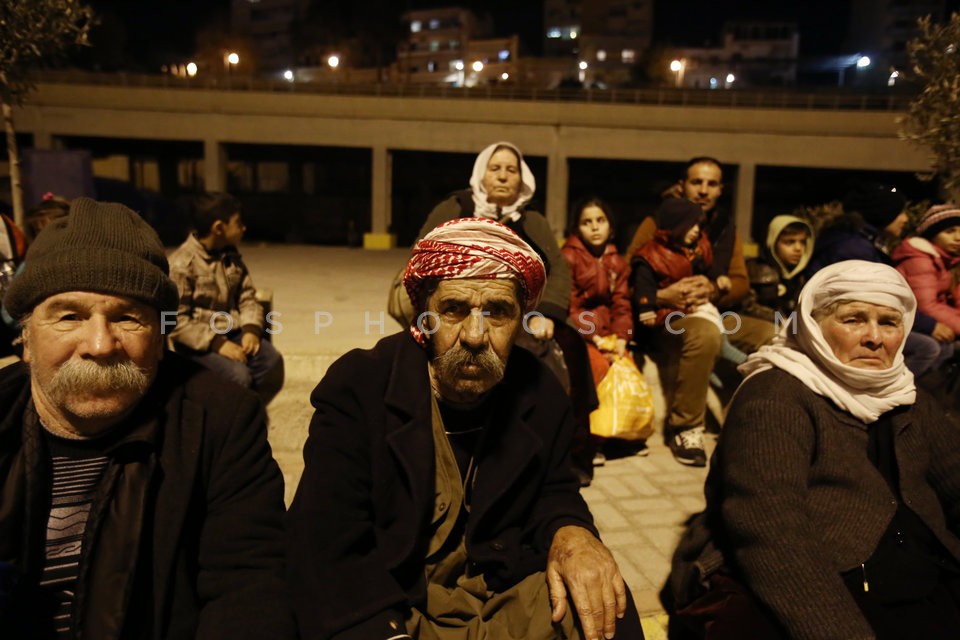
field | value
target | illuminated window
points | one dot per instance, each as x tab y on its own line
554	32
504	55
415	26
431	66
434	45
434	24
628	55
601	55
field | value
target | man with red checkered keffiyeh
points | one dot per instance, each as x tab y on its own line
437	498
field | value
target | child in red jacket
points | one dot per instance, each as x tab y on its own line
600	298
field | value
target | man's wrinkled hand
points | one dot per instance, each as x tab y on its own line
540	327
581	566
943	333
232	351
250	343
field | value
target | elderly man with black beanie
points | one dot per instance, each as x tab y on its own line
138	494
873	220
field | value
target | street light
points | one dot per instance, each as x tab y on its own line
477	66
678	67
288	75
857	60
583	71
230	60
333	61
730	78
191	69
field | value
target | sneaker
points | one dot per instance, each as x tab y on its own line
687	447
642	449
599	459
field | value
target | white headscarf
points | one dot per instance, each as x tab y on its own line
485	209
803	352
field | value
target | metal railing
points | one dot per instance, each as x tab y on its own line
832	99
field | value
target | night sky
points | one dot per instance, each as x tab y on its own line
157	28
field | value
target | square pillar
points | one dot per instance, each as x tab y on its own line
381	190
558	184
743	204
214	166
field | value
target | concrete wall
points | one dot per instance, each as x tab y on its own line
558	130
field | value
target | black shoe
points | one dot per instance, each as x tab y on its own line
687	447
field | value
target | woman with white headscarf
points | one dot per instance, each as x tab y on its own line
833	498
501	186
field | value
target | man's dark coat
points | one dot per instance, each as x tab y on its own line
189	544
359	524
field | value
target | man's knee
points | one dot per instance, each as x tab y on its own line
747	333
236	372
701	337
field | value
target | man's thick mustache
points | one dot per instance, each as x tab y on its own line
457	357
80	376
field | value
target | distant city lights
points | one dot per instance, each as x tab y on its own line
191	69
863	61
288	75
333	61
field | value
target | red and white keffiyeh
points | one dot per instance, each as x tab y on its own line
473	248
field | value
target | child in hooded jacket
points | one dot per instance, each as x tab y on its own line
777	276
678	250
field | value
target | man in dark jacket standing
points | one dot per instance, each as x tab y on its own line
437	498
138	498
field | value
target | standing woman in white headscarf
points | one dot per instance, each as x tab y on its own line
833	498
501	186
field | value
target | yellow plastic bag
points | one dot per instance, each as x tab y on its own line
626	405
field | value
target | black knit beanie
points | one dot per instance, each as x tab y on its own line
879	205
99	246
678	214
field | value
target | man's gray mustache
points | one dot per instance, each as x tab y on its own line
79	376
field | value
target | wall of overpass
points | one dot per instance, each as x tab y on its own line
557	130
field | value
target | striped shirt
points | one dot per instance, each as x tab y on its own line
77	469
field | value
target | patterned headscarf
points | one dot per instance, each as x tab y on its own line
473	248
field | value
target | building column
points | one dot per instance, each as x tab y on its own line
381	193
214	166
558	183
746	179
42	140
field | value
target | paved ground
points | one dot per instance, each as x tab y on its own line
329	300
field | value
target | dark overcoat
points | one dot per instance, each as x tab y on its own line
358	526
185	537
